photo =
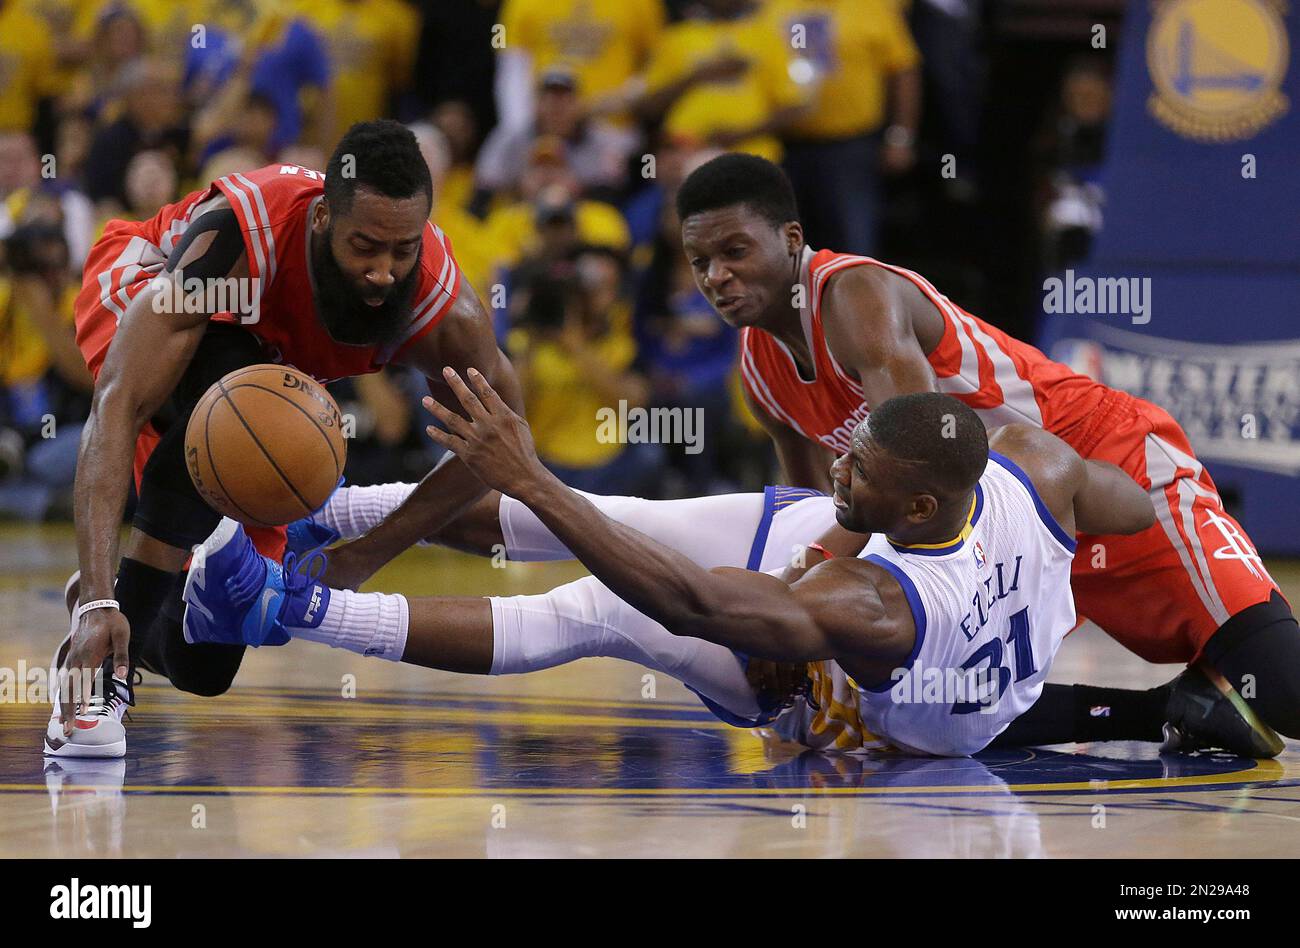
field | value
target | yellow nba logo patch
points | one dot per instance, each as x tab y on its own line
1217	67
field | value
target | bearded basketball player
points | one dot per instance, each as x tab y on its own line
346	275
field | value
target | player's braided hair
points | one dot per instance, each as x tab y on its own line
736	178
382	155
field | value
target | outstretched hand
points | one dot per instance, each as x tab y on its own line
494	442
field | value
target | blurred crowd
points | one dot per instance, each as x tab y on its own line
556	132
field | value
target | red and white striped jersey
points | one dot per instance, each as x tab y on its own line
274	206
1003	379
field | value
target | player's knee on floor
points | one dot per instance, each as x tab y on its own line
1258	652
203	669
208	672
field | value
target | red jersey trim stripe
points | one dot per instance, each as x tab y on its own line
432	305
138	256
758	387
255	225
266	222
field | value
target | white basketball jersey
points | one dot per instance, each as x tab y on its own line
990	607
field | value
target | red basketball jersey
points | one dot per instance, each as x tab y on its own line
1003	379
274	206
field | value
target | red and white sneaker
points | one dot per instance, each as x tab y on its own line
96	732
99	731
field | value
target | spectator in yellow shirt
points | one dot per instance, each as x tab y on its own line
864	117
552	217
606	43
724	78
469	241
44	383
27	60
455	119
372	46
595	150
575	360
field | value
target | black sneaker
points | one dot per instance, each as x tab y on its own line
1205	711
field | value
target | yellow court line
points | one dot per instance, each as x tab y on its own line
365	693
1145	783
232	717
472	716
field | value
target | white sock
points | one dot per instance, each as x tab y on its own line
354	511
371	624
583	619
710	531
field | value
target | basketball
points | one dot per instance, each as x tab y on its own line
265	445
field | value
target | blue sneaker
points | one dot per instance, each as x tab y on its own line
305	536
235	596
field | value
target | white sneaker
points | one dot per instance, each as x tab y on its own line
99	731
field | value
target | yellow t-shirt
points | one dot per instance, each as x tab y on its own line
766	87
512	230
457	186
24	356
604	42
61	18
372	46
26	60
170	23
562	404
853	46
469	243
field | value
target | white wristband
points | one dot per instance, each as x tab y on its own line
95	604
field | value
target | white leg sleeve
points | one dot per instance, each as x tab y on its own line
353	511
711	531
585	619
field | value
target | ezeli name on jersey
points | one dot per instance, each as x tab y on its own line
983	601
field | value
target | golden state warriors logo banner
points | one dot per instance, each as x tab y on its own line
1190	297
1217	67
1203	141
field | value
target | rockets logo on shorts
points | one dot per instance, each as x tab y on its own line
1236	546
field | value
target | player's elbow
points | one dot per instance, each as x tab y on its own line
697	614
1141	515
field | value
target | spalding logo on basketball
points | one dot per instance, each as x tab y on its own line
265	445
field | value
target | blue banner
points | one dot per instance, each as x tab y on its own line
1190	296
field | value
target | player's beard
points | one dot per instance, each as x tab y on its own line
347	317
